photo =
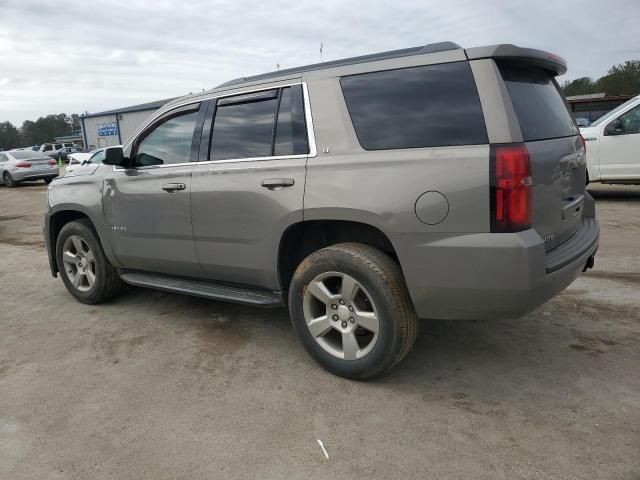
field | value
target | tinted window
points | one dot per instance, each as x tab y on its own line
416	107
169	142
539	106
291	131
47	148
243	126
58	146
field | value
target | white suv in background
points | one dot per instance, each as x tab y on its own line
51	149
613	145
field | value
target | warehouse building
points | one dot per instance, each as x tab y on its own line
114	127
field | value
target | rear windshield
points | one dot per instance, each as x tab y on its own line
27	155
427	106
541	110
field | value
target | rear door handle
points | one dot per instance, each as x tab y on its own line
273	183
173	187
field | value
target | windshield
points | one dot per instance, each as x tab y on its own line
27	154
613	112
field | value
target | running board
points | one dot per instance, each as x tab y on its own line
204	289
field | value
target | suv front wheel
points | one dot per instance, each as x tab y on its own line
351	309
85	270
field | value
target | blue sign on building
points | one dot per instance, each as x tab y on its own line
107	129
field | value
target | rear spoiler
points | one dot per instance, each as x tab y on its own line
549	61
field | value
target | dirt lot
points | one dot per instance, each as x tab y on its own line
156	385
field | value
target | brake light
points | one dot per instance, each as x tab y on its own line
584	142
511	190
52	162
23	165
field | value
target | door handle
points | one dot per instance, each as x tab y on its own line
173	187
273	183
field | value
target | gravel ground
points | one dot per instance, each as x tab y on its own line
155	385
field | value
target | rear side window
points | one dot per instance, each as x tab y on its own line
537	101
291	130
428	106
260	124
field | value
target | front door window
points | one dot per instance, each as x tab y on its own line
168	143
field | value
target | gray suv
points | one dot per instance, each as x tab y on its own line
365	193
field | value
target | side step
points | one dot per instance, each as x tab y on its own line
204	289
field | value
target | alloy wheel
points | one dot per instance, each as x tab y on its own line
79	263
341	316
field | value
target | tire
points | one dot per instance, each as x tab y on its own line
378	278
49	180
8	180
79	236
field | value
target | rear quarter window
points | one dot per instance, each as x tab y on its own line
540	107
427	106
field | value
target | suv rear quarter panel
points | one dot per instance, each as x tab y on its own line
380	188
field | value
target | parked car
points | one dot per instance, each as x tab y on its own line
78	160
582	122
365	193
613	145
26	165
51	149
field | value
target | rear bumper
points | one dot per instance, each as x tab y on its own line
493	275
27	174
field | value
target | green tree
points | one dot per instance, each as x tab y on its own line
623	79
74	119
45	129
579	86
9	136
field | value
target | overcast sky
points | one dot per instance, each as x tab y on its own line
74	56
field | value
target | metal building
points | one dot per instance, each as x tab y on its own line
114	127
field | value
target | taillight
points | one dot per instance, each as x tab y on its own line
584	142
511	191
23	165
52	162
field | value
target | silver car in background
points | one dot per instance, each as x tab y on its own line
26	165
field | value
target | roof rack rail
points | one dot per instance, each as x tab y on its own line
426	49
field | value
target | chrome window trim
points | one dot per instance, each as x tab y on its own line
311	137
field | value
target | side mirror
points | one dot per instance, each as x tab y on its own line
113	156
615	128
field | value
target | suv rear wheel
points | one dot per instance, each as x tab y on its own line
351	309
85	270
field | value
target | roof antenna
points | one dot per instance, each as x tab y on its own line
321	52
